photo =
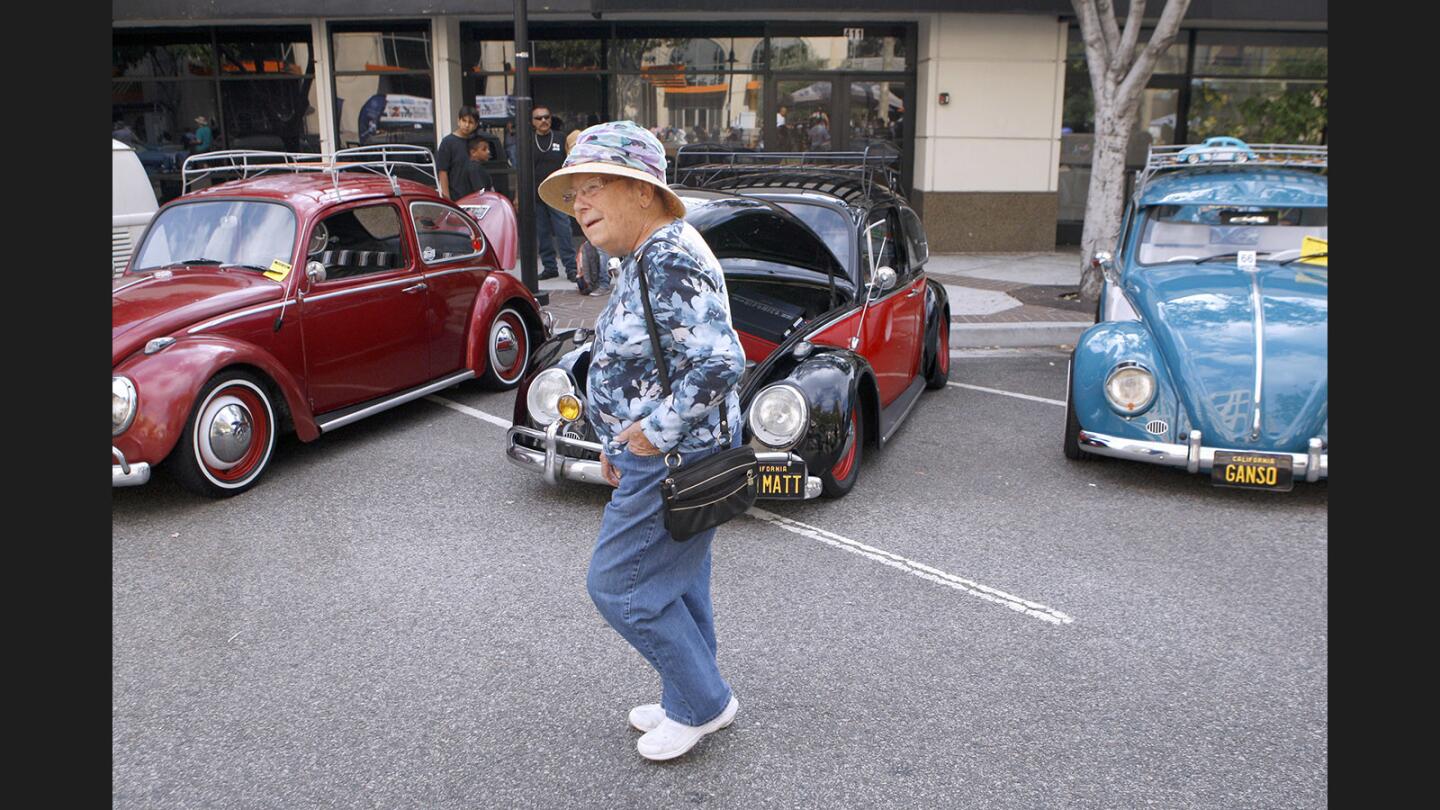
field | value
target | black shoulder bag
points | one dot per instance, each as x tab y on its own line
714	489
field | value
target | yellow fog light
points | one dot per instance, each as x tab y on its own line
569	407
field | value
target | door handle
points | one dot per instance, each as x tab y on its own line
915	292
414	288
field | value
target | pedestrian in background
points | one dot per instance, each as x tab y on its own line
474	177
454	151
557	241
592	269
204	136
654	591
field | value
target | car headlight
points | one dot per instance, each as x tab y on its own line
543	398
122	404
778	416
1130	388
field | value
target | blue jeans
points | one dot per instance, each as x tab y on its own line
553	229
655	592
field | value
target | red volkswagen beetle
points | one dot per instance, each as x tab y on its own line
302	296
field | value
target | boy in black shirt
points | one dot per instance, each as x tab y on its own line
451	157
474	177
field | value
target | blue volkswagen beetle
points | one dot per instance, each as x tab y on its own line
1209	348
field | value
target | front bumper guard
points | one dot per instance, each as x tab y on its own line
1194	457
126	474
554	463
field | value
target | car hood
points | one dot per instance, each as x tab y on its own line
1203	320
150	305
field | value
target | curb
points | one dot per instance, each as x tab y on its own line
1031	333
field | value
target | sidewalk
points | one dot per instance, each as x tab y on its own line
996	299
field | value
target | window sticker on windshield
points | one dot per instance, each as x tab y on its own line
1314	250
278	270
1249	217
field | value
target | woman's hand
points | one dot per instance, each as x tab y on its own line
608	472
635	439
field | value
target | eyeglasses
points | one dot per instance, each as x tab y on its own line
539	118
585	192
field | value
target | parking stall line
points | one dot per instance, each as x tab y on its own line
976	589
1059	402
921	570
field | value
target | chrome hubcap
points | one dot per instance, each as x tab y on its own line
230	434
507	349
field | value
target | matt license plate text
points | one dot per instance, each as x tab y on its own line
782	480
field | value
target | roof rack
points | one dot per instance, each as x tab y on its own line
878	164
381	159
1232	153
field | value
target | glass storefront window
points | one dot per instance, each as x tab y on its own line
721	108
266	53
160	118
276	115
135	58
1258	111
877	115
1237	53
697	54
385	109
872	52
395	48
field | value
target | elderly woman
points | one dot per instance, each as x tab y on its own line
654	591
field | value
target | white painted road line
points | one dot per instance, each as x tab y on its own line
989	594
469	411
1059	402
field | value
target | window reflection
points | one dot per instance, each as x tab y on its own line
714	108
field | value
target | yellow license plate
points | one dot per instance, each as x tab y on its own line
1252	471
782	481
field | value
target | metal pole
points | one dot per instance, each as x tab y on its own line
524	155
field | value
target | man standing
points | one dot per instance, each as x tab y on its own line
454	152
551	226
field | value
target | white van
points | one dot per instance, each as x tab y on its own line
132	204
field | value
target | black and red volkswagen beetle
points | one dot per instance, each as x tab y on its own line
842	330
307	293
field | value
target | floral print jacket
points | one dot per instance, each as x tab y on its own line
702	350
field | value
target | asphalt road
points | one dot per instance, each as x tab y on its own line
397	617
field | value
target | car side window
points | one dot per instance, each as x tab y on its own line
883	239
358	242
444	233
915	238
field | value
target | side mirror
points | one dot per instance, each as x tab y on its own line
884	279
315	271
1106	262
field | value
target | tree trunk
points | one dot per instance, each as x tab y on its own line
1105	200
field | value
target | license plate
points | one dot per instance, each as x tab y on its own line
785	481
1252	471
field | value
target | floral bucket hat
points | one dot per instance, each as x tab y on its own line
621	148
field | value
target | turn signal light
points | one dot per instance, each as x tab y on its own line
569	407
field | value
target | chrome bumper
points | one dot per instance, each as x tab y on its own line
553	464
1309	466
126	474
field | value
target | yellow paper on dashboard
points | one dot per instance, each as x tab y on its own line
279	269
1317	248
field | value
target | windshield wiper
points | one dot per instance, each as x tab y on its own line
189	262
1303	258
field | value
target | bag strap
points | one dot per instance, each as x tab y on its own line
655	342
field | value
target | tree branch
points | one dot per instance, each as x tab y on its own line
1096	53
1106	12
1131	35
1165	32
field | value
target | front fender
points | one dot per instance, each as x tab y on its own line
498	291
166	384
834	382
1098	350
569	350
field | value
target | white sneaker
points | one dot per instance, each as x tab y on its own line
647	717
671	739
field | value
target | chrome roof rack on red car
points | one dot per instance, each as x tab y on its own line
878	164
381	159
1225	151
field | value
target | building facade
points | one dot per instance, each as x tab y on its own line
981	105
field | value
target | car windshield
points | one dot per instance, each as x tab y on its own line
827	222
1179	233
241	233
